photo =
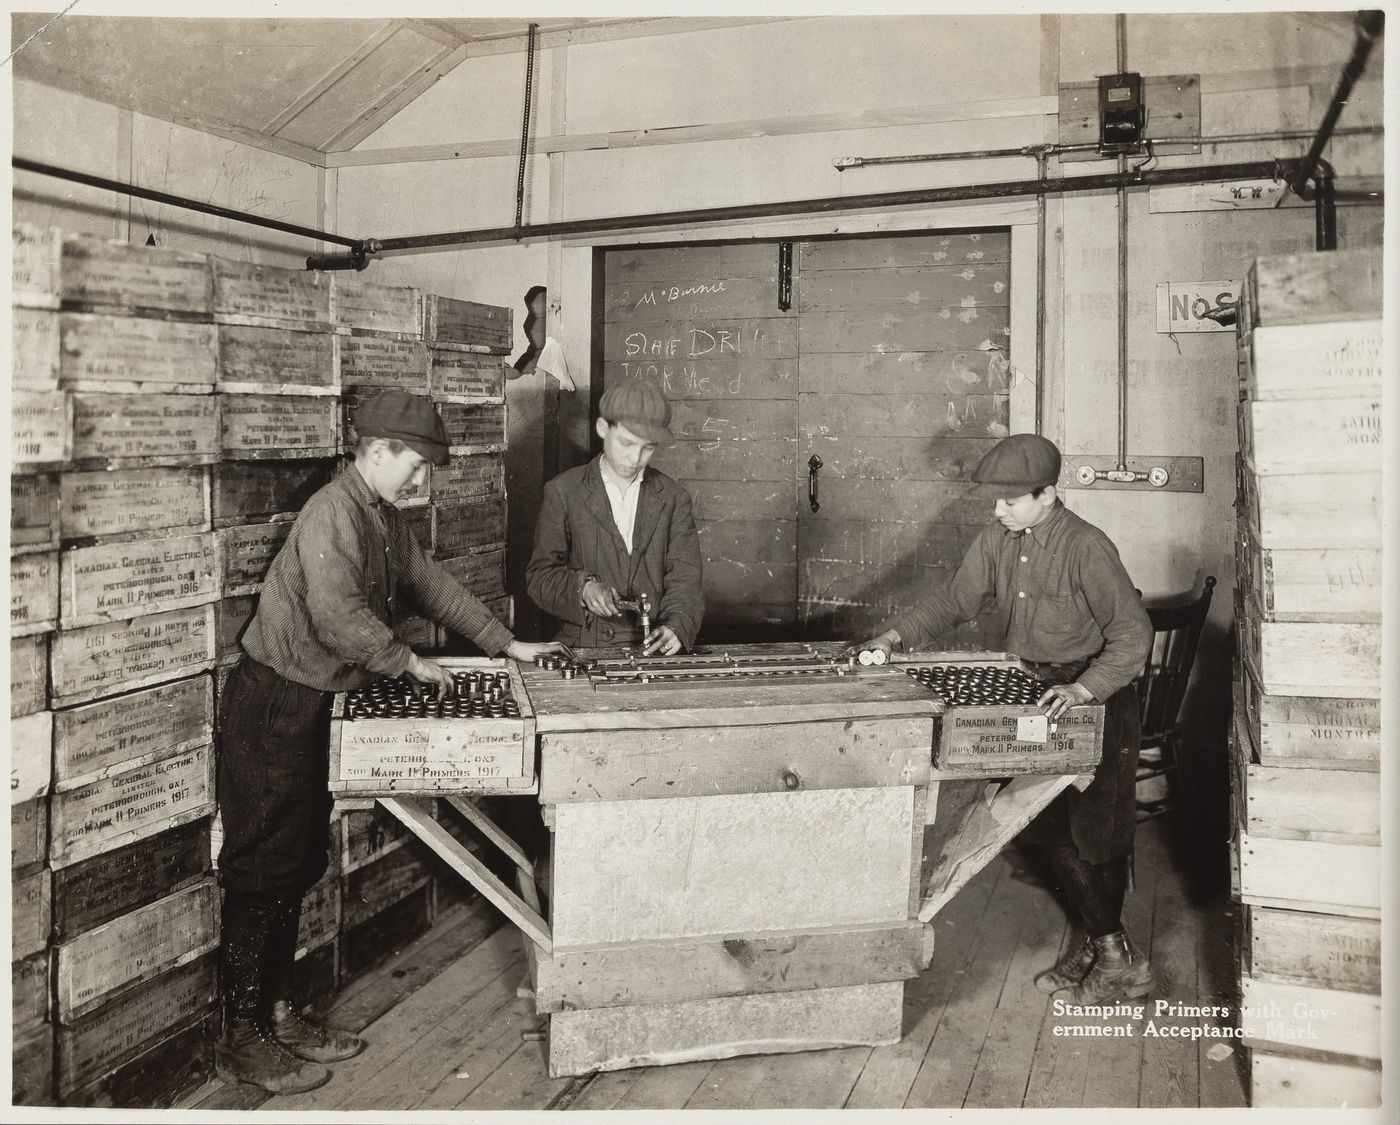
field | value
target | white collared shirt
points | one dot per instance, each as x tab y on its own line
622	499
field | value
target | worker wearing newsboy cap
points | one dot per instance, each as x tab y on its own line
324	624
1061	601
616	529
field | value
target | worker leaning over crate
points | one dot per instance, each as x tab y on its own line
616	529
1067	607
321	627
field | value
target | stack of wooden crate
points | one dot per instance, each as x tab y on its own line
1305	743
171	414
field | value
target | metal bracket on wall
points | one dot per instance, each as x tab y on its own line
1144	474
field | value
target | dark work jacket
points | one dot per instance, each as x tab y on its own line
576	537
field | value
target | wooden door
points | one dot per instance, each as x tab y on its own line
703	323
903	386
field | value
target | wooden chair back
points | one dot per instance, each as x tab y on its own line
1176	630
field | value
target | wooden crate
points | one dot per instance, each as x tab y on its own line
41	430
365	836
29	833
1318	950
103	1040
34	518
132	501
133	804
1319	1019
470	528
397	756
31	756
1314	287
1311	658
482	573
160	1076
417	632
134	280
459	376
1336	806
366	944
357	304
420	521
276	361
246	552
867	1015
320	915
87	664
97	739
35	266
29	675
1293	1080
447	320
474	427
468	479
115	957
31	1071
31	912
1312	732
250	491
1296	436
33	593
34	350
370	364
29	992
255	427
136	355
247	293
129	578
384	882
1321	877
1309	584
1312	360
94	891
118	430
231	617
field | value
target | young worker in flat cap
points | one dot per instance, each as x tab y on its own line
321	626
1066	606
616	528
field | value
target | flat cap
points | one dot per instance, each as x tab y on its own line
1016	465
411	419
641	407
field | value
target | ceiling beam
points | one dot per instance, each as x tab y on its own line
602	31
371	120
323	85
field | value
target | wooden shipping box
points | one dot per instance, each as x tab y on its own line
41	430
1314	287
250	491
97	739
34	518
1312	658
1338	359
389	756
136	355
31	912
108	503
96	890
34	350
370	364
31	1070
474	427
247	293
101	660
120	430
383	883
246	553
160	1076
33	593
31	756
104	1039
1317	876
1309	731
447	320
1343	436
129	578
481	572
1319	950
1319	1019
471	528
1286	1079
1335	806
320	915
467	479
29	992
1308	584
231	617
260	426
358	304
111	959
29	834
130	805
29	675
35	266
461	376
135	280
276	361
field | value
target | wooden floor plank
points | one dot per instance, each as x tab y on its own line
1224	1081
889	1073
521	1082
946	1071
665	1087
730	1083
810	1079
607	1089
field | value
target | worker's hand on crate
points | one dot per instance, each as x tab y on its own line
883	644
431	674
662	641
1059	698
526	651
600	599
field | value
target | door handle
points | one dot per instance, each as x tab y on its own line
814	464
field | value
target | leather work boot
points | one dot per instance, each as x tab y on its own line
1070	970
247	1052
1121	971
309	1040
